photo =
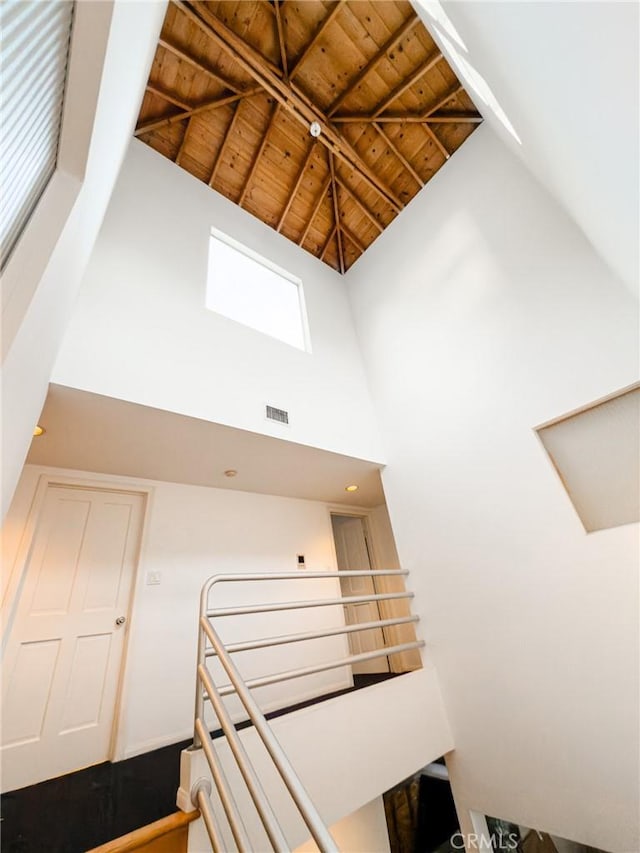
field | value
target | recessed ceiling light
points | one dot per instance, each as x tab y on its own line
351	488
230	472
38	430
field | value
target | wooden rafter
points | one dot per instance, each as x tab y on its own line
281	39
351	237
371	64
223	144
296	187
213	75
370	216
328	242
436	141
336	212
410	118
258	154
187	114
252	63
316	207
168	97
407	165
183	144
323	26
402	87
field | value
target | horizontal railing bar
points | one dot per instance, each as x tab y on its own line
308	811
313	635
261	802
323	667
299	605
206	810
224	790
302	574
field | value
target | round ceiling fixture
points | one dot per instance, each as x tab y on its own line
314	129
38	430
351	488
230	472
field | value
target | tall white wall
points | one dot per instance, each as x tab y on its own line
141	332
191	533
42	277
482	311
495	50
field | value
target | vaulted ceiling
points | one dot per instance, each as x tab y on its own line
235	88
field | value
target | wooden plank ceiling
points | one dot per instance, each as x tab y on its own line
235	87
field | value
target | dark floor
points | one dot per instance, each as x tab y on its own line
81	810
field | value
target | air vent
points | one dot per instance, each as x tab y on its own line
278	415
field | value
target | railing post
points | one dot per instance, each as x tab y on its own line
201	661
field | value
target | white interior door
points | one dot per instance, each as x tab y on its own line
61	665
353	555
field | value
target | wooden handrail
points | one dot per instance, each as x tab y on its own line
139	837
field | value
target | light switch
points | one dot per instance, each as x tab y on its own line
153	578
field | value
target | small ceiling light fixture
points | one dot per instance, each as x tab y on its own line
38	430
351	488
230	472
315	129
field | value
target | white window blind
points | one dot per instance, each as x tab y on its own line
33	66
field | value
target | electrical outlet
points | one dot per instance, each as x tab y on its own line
301	564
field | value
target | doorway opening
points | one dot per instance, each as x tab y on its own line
354	553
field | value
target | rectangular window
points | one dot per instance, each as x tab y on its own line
251	290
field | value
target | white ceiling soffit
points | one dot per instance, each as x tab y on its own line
560	83
33	70
597	455
89	432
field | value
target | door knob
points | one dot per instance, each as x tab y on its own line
121	620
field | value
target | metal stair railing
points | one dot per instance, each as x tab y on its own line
211	645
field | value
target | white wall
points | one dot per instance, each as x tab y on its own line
141	332
44	273
363	831
191	533
482	311
575	119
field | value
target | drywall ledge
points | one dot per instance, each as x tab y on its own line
346	751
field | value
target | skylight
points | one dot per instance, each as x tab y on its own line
249	289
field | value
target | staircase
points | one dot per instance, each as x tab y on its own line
272	785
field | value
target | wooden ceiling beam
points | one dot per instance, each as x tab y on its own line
319	31
183	143
281	39
210	105
328	242
436	141
371	64
407	165
168	97
176	51
336	213
402	87
410	118
351	237
224	143
316	207
248	58
370	216
296	187
258	154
